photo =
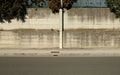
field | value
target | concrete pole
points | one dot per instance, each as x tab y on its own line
62	3
61	26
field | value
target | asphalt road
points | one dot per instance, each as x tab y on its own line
60	66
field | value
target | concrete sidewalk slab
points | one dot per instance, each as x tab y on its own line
60	53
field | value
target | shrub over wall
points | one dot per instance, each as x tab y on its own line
55	5
114	6
11	9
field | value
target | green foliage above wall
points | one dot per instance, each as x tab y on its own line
114	6
55	5
10	9
16	9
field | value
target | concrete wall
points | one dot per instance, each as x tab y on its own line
92	38
29	39
93	18
82	38
75	18
84	28
41	18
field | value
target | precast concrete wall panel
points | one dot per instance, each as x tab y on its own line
29	38
92	38
75	18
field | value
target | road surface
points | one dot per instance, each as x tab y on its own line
60	66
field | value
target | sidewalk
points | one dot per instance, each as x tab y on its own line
59	52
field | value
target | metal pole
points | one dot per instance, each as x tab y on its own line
61	26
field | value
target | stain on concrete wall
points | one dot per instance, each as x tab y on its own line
40	13
78	18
